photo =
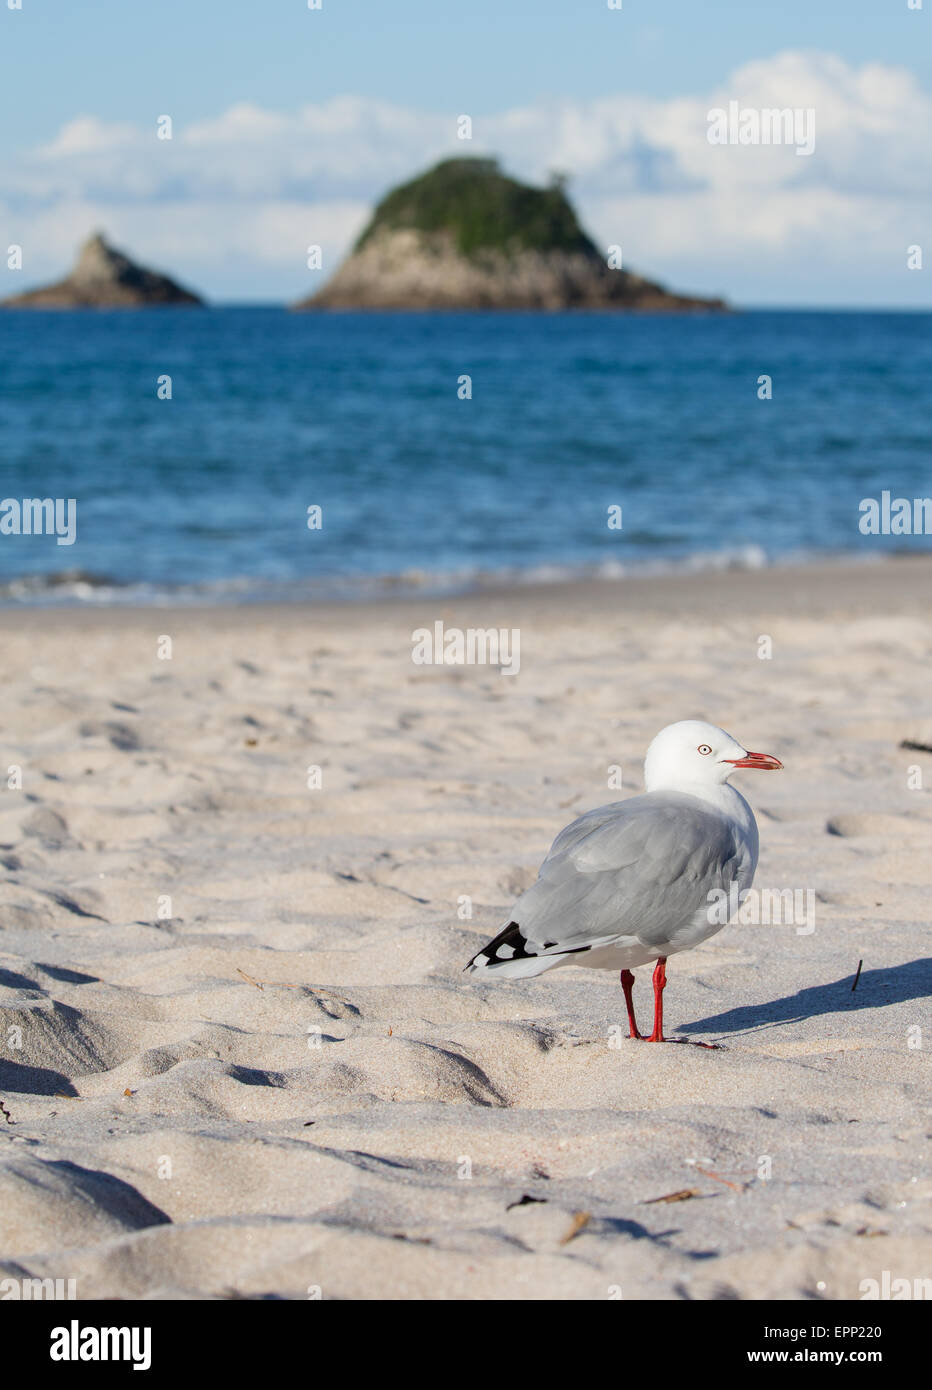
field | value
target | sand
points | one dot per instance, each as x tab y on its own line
238	1054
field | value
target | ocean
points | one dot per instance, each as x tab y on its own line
420	484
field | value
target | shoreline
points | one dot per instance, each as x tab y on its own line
832	586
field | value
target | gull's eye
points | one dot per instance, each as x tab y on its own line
704	749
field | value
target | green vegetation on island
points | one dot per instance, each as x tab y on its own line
482	209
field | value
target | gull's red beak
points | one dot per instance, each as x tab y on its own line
765	761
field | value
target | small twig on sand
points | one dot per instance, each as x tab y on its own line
857	977
581	1220
683	1195
249	980
284	984
276	984
735	1186
6	1114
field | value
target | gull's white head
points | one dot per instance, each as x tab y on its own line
693	753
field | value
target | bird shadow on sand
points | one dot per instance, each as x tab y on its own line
894	984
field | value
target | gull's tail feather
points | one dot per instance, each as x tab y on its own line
513	957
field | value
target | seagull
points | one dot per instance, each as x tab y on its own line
639	880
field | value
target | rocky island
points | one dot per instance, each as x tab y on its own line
466	236
103	278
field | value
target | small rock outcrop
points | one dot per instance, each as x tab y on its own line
103	278
466	236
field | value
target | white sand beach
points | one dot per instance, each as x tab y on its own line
281	1083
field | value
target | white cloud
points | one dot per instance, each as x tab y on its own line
87	135
230	203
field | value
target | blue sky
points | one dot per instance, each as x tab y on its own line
412	65
120	59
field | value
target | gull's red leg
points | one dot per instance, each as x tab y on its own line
660	980
627	984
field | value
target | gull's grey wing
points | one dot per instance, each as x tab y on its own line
640	868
